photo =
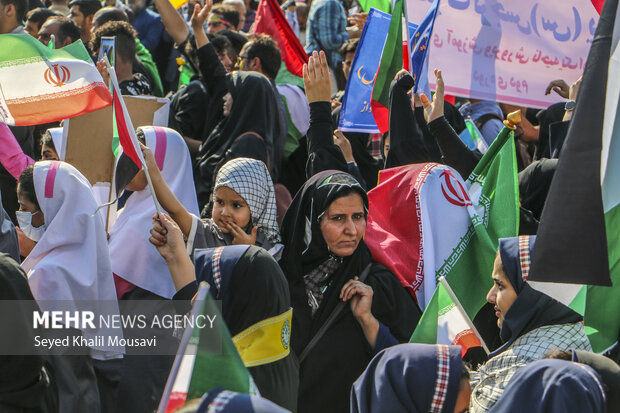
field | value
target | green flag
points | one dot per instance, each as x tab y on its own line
493	190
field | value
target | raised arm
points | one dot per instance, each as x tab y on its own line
165	196
323	153
172	20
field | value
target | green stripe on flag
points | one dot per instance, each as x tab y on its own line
218	363
426	330
383	5
391	58
494	191
18	49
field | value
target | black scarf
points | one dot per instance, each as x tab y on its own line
22	384
252	111
252	288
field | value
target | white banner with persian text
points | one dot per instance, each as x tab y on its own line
508	50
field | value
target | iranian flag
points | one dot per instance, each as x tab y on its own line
578	240
453	226
39	85
207	358
445	322
391	63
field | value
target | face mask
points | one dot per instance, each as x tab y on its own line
24	219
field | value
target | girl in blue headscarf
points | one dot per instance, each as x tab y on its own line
412	378
550	386
531	323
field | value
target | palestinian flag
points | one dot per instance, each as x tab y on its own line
578	240
445	322
207	358
471	216
391	63
270	20
40	85
129	158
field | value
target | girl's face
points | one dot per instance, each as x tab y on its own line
48	154
230	208
138	183
25	205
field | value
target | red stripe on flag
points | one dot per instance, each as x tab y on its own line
124	135
598	5
381	115
59	106
466	339
270	20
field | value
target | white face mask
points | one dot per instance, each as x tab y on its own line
24	219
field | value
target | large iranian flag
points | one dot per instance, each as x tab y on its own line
39	85
452	226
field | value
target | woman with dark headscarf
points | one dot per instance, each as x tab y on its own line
531	323
413	378
25	383
255	297
550	386
249	123
323	257
256	305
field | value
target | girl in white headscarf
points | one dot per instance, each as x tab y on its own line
140	271
244	209
69	269
135	260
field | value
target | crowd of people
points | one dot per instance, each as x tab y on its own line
263	200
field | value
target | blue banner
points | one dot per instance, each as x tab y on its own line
419	51
356	114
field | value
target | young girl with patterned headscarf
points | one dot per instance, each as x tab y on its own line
244	209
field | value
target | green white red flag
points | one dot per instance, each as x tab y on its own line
205	360
39	85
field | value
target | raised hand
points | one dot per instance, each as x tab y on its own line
433	110
200	15
167	237
317	79
559	86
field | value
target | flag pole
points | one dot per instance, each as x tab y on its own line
443	281
132	131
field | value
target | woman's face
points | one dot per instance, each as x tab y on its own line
228	102
25	205
501	295
230	207
343	224
48	154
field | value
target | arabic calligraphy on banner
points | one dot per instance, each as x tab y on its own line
507	50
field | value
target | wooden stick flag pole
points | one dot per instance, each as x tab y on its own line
443	281
125	123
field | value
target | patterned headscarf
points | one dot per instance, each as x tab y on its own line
250	179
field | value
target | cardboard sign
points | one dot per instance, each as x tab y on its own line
88	144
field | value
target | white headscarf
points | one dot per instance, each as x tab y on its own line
134	258
71	262
250	178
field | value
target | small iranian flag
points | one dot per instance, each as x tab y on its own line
207	358
39	85
445	322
